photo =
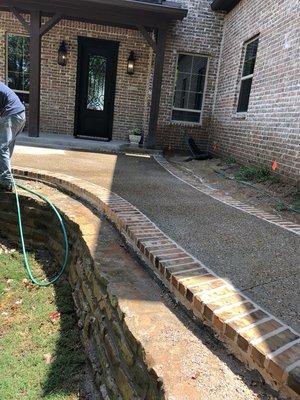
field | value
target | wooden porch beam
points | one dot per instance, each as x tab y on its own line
20	18
147	37
76	11
156	88
50	24
35	73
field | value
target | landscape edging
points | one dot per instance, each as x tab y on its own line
198	184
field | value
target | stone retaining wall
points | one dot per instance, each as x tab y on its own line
116	357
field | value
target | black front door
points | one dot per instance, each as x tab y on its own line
96	82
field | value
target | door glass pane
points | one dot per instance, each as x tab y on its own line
96	82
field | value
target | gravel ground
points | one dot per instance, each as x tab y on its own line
209	366
254	255
271	195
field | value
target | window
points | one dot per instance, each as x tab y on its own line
189	89
17	74
247	75
96	82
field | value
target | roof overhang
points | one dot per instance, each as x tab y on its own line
224	5
124	13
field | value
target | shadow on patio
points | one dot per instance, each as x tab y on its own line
141	296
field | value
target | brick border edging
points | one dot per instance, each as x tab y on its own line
226	199
254	335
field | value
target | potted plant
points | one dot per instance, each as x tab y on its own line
135	136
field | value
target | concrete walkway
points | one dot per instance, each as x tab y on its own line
67	142
261	259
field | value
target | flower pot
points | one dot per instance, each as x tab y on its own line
135	139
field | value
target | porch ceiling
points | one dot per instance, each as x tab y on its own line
125	13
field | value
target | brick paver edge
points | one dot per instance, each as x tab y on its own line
254	335
226	199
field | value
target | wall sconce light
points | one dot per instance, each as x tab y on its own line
131	63
62	54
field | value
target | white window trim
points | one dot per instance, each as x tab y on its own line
243	78
187	109
178	122
6	60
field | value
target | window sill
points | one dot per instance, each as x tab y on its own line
186	123
239	116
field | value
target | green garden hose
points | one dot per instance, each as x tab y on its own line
64	231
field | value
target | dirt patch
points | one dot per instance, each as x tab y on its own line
263	190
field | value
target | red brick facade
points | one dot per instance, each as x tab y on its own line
199	33
58	84
268	131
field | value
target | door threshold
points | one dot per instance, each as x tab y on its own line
92	138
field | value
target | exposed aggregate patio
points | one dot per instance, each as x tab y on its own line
261	259
147	179
160	327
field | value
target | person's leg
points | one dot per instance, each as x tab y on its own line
5	140
17	125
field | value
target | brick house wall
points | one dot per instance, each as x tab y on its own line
199	33
271	128
58	84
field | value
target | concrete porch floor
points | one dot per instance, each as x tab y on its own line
69	142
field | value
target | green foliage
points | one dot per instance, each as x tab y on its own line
296	205
230	160
28	334
255	174
281	207
135	132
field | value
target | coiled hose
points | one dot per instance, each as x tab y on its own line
27	265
